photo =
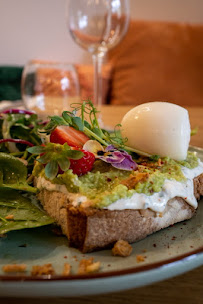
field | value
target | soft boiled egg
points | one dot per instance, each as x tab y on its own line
160	128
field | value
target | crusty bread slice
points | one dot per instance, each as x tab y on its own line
90	229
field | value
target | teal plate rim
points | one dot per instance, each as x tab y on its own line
192	255
158	265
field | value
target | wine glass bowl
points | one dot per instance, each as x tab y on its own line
97	26
49	87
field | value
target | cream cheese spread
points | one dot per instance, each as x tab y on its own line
156	202
171	188
74	198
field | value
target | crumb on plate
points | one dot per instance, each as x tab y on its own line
87	266
46	269
66	269
122	248
14	268
140	258
93	267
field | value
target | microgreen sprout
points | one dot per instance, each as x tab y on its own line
83	117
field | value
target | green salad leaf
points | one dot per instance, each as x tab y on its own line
13	173
20	126
18	212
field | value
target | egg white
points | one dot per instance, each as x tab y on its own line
160	128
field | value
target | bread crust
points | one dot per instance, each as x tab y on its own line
90	229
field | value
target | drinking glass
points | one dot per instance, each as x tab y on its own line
49	88
98	25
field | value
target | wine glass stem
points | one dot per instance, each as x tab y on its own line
97	61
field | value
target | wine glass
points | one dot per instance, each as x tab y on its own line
49	87
98	25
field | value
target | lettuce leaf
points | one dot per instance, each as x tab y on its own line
13	173
18	212
19	126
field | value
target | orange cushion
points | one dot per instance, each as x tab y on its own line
86	80
158	61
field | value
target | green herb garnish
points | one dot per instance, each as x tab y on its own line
90	126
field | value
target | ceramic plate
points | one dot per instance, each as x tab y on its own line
167	253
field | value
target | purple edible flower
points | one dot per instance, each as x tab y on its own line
117	158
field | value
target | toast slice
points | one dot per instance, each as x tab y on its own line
90	229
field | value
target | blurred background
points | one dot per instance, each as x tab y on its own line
162	51
37	29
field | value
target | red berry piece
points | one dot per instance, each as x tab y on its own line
84	164
69	135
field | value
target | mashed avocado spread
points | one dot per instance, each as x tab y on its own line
105	184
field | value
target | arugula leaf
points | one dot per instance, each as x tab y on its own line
21	211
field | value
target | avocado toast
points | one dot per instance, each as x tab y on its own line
100	191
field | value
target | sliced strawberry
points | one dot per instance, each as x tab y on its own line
84	164
69	135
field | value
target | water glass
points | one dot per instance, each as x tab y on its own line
49	88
